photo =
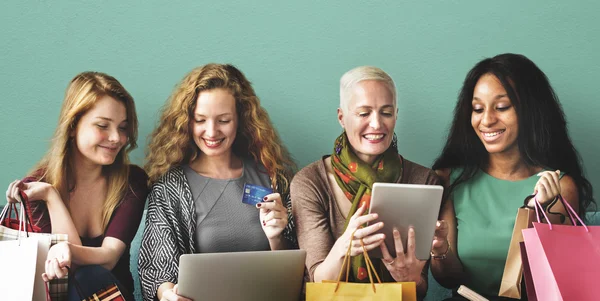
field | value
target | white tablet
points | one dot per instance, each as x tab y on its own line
403	205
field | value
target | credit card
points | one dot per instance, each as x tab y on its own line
254	194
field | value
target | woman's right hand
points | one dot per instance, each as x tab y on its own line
172	295
33	190
440	242
367	234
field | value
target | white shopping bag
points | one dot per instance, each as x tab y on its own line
15	252
18	275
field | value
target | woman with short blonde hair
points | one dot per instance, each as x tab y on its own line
331	197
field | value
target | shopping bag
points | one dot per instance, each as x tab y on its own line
6	219
564	260
24	253
510	286
349	291
18	268
527	274
57	288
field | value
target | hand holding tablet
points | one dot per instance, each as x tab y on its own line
401	206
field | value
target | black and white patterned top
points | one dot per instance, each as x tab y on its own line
171	230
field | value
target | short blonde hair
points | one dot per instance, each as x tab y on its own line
359	74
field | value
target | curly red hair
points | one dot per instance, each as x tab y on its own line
172	143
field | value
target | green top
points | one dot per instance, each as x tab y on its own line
486	208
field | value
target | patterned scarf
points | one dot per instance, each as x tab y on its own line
356	178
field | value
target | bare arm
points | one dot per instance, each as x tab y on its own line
449	272
106	255
60	218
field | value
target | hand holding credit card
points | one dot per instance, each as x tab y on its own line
254	194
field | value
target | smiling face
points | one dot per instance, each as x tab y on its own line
494	118
214	122
101	132
369	119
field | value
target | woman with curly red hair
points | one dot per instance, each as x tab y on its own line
213	138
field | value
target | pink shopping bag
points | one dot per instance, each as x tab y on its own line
564	260
527	275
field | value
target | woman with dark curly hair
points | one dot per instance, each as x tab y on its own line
213	137
508	140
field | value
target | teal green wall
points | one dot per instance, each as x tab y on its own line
294	53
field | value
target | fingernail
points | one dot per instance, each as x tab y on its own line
258	205
265	198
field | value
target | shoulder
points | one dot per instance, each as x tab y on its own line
415	173
137	183
35	176
174	177
313	172
444	175
137	175
310	181
257	166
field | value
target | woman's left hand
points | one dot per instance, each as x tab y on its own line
547	187
405	267
59	258
273	215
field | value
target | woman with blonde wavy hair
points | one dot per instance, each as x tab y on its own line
85	187
213	138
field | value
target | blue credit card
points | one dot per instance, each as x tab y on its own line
254	194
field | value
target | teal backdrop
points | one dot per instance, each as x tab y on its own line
294	52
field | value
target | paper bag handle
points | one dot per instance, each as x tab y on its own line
26	219
346	263
22	216
572	214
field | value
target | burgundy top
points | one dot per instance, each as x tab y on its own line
123	224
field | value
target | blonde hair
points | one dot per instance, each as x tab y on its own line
57	169
351	78
172	143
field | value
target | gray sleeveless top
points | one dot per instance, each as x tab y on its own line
223	222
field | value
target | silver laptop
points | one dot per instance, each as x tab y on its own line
248	276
